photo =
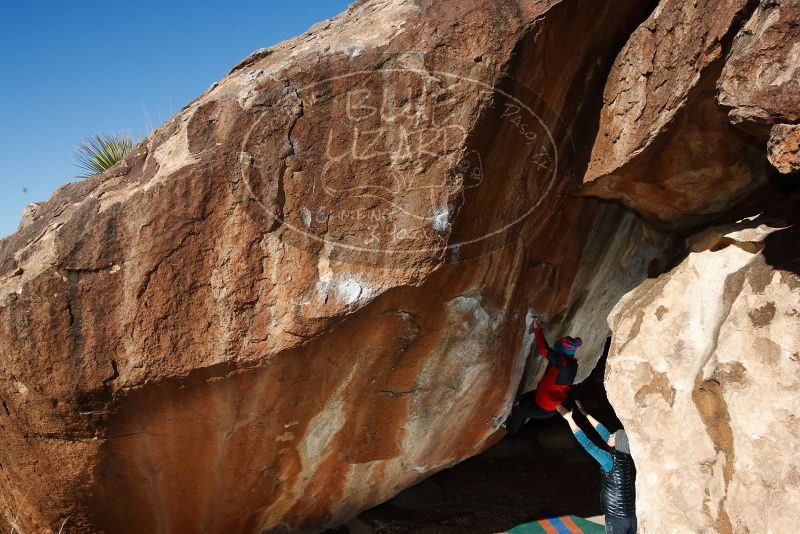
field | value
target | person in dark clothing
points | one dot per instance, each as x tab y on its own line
555	385
617	472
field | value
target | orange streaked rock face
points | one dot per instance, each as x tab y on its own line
309	289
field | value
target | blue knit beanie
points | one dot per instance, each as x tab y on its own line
568	345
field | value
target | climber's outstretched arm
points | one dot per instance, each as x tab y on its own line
598	426
542	347
541	342
602	457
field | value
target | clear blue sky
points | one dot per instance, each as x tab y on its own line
72	69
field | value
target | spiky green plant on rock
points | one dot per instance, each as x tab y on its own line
102	151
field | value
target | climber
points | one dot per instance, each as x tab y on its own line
617	472
555	385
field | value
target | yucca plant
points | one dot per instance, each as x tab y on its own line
101	151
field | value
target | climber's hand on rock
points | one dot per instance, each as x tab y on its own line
563	412
580	407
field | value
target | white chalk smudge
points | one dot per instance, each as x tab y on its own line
353	51
305	216
441	219
348	288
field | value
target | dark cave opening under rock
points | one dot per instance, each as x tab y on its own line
539	473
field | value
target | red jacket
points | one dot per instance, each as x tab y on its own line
553	388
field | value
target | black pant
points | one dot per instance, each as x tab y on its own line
620	525
525	410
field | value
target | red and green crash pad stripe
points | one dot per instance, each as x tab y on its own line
553	523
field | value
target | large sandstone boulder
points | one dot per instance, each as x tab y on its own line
702	367
761	80
309	289
664	147
703	372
